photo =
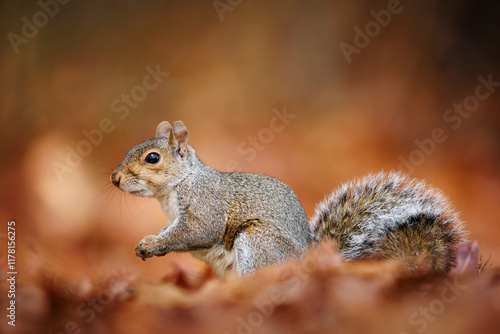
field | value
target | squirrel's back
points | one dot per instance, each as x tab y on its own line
390	216
257	195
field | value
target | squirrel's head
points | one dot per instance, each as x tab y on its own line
156	163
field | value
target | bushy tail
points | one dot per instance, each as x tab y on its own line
390	216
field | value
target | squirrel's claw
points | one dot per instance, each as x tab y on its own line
149	247
141	253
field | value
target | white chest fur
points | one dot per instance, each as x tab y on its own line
170	206
222	261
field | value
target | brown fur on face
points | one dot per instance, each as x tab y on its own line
138	177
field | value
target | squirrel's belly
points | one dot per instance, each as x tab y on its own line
221	260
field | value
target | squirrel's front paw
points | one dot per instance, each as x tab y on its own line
150	246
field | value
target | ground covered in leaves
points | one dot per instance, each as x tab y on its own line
319	294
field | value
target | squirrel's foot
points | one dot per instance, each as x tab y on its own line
150	246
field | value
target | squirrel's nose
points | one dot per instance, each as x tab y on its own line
115	179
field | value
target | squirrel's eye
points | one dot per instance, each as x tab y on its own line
152	158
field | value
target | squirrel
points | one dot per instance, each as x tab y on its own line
240	222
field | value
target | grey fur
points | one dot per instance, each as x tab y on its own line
239	222
384	203
267	220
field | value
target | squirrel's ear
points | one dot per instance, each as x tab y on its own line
163	130
181	135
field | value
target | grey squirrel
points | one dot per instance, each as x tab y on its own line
240	222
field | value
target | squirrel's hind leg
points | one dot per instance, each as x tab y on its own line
257	247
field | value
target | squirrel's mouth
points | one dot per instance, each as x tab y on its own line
136	192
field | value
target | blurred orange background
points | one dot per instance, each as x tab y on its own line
232	67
